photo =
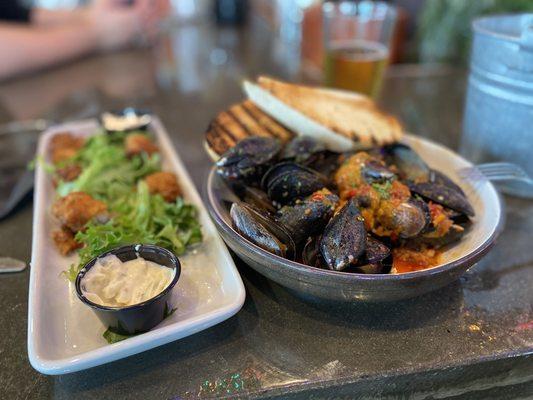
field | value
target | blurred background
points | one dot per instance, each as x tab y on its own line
426	31
185	59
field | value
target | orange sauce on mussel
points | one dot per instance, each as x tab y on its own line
379	203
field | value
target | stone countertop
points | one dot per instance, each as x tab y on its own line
470	340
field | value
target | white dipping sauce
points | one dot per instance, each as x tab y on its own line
113	283
124	122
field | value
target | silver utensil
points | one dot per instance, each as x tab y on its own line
9	264
497	171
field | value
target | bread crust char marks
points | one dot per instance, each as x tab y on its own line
239	122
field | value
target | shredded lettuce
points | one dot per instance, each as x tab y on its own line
106	170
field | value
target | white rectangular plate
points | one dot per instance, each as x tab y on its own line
65	336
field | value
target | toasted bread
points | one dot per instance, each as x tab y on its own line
240	121
320	112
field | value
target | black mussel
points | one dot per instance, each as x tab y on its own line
373	260
288	182
277	170
376	251
257	198
302	150
410	165
311	253
441	179
344	238
262	230
411	218
325	162
249	159
456	232
443	195
309	216
375	172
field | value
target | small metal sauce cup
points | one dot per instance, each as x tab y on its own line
139	317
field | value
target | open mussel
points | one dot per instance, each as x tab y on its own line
262	230
286	182
441	179
311	253
410	218
257	198
302	150
344	238
445	195
248	160
312	154
373	259
410	165
374	171
309	216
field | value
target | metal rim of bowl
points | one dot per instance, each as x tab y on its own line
177	267
470	257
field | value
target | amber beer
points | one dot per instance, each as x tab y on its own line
357	65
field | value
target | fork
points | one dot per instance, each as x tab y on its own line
496	171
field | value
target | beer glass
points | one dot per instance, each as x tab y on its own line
357	37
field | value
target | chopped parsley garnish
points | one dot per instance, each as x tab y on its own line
383	189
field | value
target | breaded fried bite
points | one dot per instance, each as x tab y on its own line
69	172
137	143
65	241
165	184
77	208
64	146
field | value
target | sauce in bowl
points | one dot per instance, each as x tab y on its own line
113	283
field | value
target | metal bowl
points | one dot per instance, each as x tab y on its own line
352	287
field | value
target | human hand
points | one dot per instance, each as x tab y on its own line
117	25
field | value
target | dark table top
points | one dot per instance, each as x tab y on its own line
470	340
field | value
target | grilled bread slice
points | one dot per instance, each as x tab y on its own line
322	113
240	121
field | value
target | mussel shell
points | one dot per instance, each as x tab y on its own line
326	163
311	253
344	239
248	159
302	150
443	195
288	182
257	198
261	230
411	218
307	217
375	251
374	172
455	234
372	262
441	179
409	163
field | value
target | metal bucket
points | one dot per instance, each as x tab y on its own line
498	123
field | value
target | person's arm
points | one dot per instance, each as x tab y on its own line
45	17
103	26
34	48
